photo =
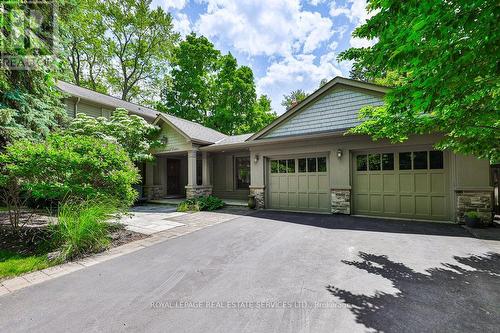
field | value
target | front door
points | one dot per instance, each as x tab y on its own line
173	176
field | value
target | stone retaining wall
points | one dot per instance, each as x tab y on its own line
153	192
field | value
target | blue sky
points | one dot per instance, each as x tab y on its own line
289	44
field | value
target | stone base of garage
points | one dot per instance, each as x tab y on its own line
477	201
198	191
341	201
259	193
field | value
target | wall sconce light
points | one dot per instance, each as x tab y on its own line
256	158
339	153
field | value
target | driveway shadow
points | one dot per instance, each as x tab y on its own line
447	299
365	223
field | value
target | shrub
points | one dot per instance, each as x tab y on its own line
472	214
77	167
81	228
210	203
207	203
132	132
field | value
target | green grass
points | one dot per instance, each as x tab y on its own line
13	264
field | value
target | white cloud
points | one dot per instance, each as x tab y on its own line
357	14
174	4
303	71
265	27
182	24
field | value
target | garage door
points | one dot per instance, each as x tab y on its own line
411	184
299	184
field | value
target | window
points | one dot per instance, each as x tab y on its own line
274	166
282	166
290	166
361	163
311	165
374	162
420	160
404	161
436	159
321	164
302	165
243	172
387	161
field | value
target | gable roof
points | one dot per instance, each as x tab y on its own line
191	130
314	96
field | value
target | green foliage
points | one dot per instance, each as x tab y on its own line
119	45
207	203
293	98
445	55
81	228
210	203
13	264
132	132
30	106
211	89
70	166
472	214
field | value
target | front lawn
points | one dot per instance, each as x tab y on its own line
13	264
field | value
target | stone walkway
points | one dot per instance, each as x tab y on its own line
151	219
177	225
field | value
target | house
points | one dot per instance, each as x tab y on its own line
303	161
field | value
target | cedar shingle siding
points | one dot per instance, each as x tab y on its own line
336	110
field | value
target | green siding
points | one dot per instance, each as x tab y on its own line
223	178
175	140
336	110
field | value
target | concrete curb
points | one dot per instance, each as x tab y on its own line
33	278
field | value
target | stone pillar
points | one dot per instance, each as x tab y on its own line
259	192
193	190
341	201
477	201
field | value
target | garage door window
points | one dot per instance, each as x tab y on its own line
283	166
387	162
420	160
361	163
436	159
321	164
374	162
404	161
311	165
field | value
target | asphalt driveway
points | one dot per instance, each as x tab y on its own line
278	272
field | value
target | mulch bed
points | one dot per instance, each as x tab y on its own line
32	237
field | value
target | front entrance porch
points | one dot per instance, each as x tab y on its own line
177	175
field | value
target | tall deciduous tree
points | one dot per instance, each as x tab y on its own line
445	55
213	90
189	94
293	98
141	40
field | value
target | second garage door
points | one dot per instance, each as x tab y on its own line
410	184
299	184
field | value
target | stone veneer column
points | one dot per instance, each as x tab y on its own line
341	201
478	201
259	193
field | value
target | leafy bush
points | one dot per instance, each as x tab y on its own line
472	215
81	228
207	203
210	203
77	167
132	132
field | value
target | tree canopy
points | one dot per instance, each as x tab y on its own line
294	97
443	60
212	89
121	46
